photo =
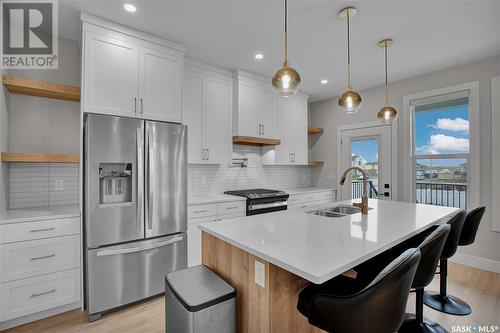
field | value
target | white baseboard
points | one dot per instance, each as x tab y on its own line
477	262
36	316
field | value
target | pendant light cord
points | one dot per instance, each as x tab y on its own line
386	88
286	34
348	52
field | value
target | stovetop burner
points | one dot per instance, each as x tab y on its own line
256	193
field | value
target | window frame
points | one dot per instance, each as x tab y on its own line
410	157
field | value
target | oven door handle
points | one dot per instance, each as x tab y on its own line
267	205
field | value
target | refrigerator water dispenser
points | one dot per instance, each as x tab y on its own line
115	183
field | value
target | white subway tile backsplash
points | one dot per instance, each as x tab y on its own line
33	184
220	178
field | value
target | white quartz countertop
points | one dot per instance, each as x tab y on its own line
319	248
39	213
304	190
212	198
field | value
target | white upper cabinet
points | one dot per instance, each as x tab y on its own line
293	149
129	73
256	107
207	100
160	82
111	75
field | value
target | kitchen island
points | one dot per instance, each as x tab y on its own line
269	258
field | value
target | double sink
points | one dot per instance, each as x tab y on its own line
337	211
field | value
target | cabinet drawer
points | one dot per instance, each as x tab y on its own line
27	259
297	199
232	216
27	296
24	231
202	211
203	219
232	207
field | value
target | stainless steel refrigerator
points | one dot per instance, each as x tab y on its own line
135	208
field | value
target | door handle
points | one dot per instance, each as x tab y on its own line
140	179
139	248
142	108
44	293
135	104
263	129
43	257
40	230
150	188
208	154
260	131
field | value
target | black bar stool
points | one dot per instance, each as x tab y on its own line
430	243
441	301
343	304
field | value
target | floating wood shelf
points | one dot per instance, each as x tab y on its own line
39	158
315	130
316	163
20	85
255	141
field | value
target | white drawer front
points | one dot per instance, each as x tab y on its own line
232	208
27	296
297	199
202	211
17	232
27	259
203	219
232	216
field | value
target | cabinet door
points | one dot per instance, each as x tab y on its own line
282	151
111	76
218	120
249	110
192	109
160	86
298	130
269	112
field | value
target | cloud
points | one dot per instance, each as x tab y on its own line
440	142
455	125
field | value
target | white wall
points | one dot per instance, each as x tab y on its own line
4	144
206	179
325	114
38	124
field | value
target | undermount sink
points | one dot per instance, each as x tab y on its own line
337	211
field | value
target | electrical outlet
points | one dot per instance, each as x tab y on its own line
59	185
203	180
260	274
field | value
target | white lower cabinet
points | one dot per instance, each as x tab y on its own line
211	213
39	266
27	296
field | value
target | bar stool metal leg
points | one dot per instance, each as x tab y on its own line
442	301
417	323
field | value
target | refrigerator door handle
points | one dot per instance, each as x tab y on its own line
150	165
139	248
140	178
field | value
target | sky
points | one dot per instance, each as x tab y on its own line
444	131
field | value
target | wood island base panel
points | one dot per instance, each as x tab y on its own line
268	309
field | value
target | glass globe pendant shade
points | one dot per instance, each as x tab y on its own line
387	114
286	81
350	102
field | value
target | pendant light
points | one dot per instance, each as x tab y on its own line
387	114
350	101
286	80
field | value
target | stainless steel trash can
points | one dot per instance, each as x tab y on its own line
198	301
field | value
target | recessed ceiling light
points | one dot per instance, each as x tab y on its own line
259	56
324	81
129	7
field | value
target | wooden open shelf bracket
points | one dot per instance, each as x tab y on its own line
254	141
20	85
39	158
316	163
315	130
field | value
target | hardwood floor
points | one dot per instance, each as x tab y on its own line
481	289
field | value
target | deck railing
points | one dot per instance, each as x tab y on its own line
357	189
442	194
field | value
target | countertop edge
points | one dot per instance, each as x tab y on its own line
73	211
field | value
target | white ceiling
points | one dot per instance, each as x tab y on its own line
428	35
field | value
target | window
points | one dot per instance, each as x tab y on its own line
441	159
364	154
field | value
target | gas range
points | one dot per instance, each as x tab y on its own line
260	201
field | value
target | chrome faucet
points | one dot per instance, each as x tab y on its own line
364	198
